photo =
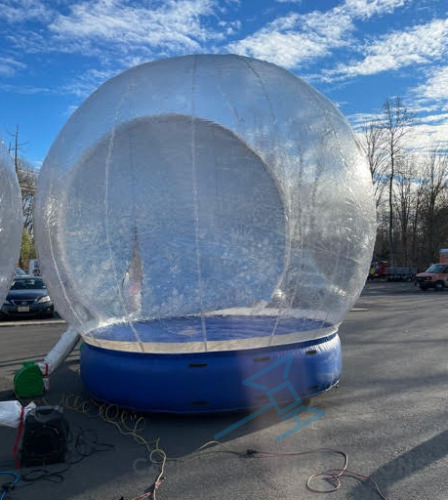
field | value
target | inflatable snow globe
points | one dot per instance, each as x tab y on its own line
199	220
10	221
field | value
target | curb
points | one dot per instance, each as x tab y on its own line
33	323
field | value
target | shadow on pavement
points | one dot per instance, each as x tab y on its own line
408	463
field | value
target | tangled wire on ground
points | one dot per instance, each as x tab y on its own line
131	424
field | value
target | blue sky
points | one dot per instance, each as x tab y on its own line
54	53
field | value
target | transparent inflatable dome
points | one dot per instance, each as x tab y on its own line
205	203
10	221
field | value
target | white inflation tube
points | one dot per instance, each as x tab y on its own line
12	413
58	354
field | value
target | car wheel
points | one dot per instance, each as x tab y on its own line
439	286
423	287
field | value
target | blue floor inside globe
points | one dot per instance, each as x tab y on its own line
218	328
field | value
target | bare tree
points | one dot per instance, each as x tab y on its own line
15	147
27	176
407	195
397	123
416	217
374	138
435	202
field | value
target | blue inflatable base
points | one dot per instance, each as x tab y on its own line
212	381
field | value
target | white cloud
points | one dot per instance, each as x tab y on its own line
26	89
20	11
297	38
285	49
9	66
429	136
293	39
142	30
365	9
435	88
172	26
120	33
438	119
422	44
429	132
359	120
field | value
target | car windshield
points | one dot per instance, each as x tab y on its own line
435	268
28	284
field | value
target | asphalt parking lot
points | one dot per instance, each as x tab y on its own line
389	415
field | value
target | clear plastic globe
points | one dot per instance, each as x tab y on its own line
10	221
205	203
